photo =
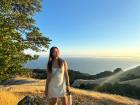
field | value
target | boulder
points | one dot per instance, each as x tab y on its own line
31	100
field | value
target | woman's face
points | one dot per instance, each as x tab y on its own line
55	52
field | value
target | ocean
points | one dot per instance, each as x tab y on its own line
90	65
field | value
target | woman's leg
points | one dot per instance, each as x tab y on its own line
53	101
64	100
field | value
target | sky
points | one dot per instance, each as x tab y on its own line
92	27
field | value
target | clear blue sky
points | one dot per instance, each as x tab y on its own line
92	27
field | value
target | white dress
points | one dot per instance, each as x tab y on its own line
57	84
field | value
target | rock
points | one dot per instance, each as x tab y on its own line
31	100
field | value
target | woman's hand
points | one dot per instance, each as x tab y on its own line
68	88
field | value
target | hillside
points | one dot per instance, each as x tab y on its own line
15	89
131	77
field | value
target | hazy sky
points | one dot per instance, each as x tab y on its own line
92	27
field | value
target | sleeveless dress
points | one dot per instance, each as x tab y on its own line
57	84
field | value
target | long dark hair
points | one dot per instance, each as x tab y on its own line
51	58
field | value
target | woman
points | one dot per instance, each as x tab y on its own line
57	83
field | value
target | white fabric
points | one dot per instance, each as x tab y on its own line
57	84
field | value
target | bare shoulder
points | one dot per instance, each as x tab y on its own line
65	62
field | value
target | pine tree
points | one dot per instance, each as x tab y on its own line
18	32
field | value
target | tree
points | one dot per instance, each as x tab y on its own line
117	70
18	32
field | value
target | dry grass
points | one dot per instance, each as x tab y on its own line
10	95
7	98
103	96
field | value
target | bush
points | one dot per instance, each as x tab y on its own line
116	88
130	77
120	89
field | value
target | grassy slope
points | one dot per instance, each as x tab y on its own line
115	78
11	94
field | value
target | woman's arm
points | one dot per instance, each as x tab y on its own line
66	73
